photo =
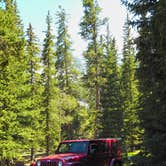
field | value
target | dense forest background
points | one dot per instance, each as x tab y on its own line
46	98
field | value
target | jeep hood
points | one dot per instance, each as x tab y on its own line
66	156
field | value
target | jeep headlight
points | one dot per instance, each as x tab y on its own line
38	163
60	163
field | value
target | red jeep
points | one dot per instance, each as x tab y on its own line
97	152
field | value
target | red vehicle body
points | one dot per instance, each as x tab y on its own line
97	152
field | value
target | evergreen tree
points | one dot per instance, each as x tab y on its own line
151	55
131	123
110	93
90	25
67	79
50	94
33	114
14	99
64	64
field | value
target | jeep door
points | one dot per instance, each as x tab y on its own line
98	153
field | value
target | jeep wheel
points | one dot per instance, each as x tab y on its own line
117	164
114	163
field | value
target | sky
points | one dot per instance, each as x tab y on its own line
35	11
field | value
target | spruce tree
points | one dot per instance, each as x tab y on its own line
13	78
50	93
110	92
129	84
151	55
90	25
67	78
34	117
64	63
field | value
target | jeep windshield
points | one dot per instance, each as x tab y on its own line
73	147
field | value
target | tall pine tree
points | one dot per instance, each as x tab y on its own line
36	89
90	25
64	63
50	94
67	78
151	55
130	94
110	93
13	82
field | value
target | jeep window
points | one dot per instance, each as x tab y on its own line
93	148
98	147
73	147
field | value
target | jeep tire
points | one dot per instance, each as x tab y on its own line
117	164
